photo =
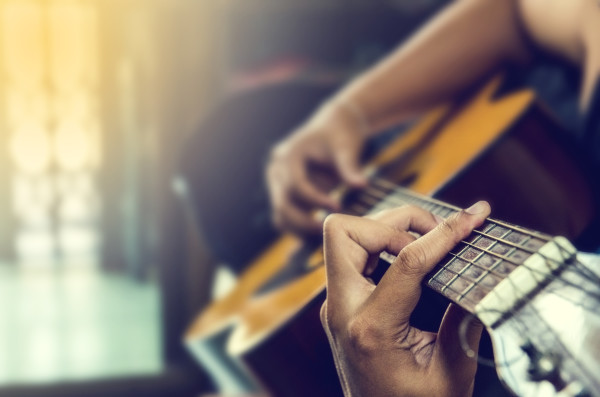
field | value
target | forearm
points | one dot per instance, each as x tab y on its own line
463	44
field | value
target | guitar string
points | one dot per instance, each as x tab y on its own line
467	243
462	295
585	271
589	274
527	330
409	193
547	262
390	258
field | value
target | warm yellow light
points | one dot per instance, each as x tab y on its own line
75	105
71	30
22	27
71	145
30	148
24	105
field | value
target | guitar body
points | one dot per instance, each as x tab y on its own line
505	150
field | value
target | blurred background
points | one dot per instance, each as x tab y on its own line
102	262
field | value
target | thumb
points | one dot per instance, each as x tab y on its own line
401	285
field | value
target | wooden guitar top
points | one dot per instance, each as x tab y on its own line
468	133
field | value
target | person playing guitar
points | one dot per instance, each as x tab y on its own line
376	350
467	42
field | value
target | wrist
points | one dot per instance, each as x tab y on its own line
353	114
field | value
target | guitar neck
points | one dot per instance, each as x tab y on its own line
481	262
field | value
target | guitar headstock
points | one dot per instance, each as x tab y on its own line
550	344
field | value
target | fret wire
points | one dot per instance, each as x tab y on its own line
494	222
485	269
489	271
516	228
505	276
492	253
500	239
412	197
448	209
509	243
408	192
469	289
390	259
476	283
460	274
504	241
501	257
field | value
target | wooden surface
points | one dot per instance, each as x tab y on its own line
483	147
476	127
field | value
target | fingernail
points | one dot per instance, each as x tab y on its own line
476	208
438	218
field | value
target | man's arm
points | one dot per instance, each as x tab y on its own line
467	41
464	43
458	48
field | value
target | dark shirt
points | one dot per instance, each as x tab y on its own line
558	85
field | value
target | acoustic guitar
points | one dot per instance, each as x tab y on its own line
506	150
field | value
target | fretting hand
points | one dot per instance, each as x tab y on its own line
377	352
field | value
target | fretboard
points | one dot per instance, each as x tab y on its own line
479	262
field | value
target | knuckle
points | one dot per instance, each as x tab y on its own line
363	335
411	260
332	223
278	151
448	226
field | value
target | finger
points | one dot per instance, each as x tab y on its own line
307	192
349	244
290	217
346	157
457	344
286	214
400	287
408	217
